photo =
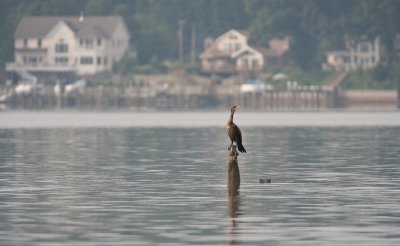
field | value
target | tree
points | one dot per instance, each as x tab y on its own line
314	25
99	7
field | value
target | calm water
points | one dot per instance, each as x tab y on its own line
158	185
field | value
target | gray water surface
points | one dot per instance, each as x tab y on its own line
167	186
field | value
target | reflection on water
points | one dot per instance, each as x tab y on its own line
234	212
233	185
168	186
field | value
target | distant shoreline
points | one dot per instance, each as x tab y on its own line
81	119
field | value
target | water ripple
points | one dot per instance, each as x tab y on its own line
148	186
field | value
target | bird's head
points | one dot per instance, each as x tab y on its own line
234	108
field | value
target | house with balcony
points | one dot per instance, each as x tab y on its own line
229	54
77	44
357	55
278	50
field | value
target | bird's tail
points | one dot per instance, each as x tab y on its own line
241	148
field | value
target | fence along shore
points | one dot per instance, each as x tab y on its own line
104	97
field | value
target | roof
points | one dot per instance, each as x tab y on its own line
243	33
278	47
213	51
243	51
40	26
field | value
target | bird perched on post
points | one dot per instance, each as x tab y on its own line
234	132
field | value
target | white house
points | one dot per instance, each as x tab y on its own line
362	55
84	45
230	53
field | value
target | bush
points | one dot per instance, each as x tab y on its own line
128	65
145	69
125	66
376	79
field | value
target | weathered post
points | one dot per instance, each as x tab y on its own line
233	174
398	93
58	91
233	183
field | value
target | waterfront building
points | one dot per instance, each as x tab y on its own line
78	44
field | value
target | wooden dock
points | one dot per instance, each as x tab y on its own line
108	98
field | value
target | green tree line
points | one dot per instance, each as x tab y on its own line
316	26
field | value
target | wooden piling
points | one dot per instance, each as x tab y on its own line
233	174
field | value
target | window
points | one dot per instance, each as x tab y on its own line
364	47
61	48
237	47
25	42
89	43
120	42
62	61
233	37
98	60
99	42
39	42
255	63
226	48
86	43
86	60
245	63
31	60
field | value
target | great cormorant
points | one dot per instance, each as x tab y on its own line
234	132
